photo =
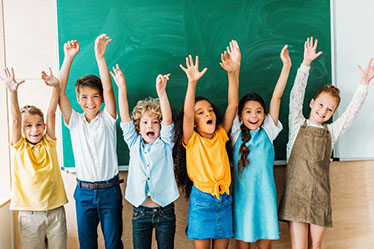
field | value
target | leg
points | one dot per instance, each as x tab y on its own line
141	228
220	243
87	217
315	236
299	234
56	230
202	244
263	244
240	244
110	215
32	228
165	227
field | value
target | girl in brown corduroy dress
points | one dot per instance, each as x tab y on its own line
306	201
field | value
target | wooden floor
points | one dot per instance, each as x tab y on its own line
352	186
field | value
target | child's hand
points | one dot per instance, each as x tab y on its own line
285	56
310	51
230	59
161	81
71	48
118	77
192	70
50	80
367	74
101	43
10	81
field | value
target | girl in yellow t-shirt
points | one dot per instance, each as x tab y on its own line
37	188
204	139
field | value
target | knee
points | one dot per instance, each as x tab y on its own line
315	245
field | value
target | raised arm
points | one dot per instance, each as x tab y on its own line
12	85
101	43
123	104
193	75
230	62
298	89
51	80
345	120
161	82
281	84
71	49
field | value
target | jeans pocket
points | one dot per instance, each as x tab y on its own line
136	214
168	213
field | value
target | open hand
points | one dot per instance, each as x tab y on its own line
285	56
367	74
310	53
71	48
50	80
10	81
118	76
192	70
161	82
230	59
101	43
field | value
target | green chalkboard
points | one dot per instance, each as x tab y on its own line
155	36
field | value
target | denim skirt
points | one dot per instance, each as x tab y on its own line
208	217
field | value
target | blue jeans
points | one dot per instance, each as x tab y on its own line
144	219
102	205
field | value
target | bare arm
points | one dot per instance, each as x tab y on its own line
71	48
230	61
51	80
119	79
193	75
100	47
12	85
161	82
281	84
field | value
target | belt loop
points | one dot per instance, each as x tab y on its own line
79	183
107	183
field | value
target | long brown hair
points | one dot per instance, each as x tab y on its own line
245	134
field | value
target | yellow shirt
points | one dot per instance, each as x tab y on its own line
36	178
208	164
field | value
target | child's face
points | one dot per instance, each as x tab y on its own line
322	108
90	101
205	119
149	127
252	115
33	128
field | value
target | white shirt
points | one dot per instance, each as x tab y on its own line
296	117
94	146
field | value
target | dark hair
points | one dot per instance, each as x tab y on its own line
91	81
245	135
179	152
332	90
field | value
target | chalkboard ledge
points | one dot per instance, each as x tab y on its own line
72	169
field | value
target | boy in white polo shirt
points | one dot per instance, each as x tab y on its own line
93	134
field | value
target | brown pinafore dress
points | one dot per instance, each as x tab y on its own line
306	197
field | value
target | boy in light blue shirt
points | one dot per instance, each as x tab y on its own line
151	186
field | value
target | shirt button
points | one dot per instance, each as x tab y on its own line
147	165
219	228
219	202
148	178
217	210
219	219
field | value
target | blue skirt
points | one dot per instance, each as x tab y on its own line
208	217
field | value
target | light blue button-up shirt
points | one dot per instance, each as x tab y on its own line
151	168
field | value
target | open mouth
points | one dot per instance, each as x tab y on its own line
253	122
209	122
150	134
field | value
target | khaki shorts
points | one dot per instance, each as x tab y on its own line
41	228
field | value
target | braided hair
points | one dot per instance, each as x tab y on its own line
245	134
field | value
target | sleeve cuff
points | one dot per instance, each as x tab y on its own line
304	68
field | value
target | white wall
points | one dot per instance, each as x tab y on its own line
353	38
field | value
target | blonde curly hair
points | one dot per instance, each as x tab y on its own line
33	110
148	105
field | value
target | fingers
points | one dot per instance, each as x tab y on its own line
370	62
204	71
50	71
183	68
